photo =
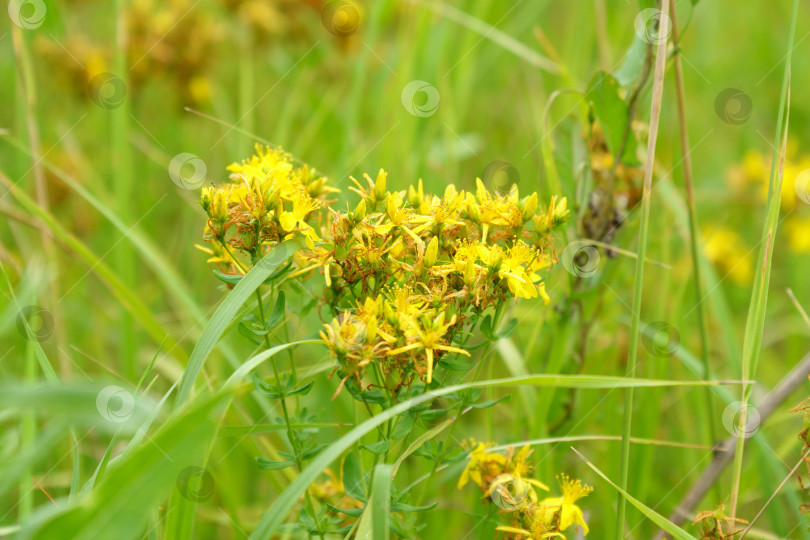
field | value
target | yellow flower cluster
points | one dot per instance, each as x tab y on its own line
407	274
268	200
505	479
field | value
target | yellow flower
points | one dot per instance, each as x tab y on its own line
564	508
480	463
303	204
798	231
725	248
429	337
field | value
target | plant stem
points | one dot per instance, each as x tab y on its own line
290	431
655	113
755	323
694	236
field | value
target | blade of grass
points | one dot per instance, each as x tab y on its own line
374	525
117	287
638	285
227	310
657	518
755	323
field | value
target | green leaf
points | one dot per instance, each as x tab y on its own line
490	402
228	309
378	448
656	518
268	465
404	426
416	444
354	479
375	523
630	70
613	115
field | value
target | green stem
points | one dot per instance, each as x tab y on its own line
755	322
638	286
694	236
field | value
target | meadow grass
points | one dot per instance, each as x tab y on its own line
144	396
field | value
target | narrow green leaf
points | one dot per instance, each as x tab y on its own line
228	309
656	518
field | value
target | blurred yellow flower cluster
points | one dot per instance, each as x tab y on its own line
505	480
728	251
755	172
406	273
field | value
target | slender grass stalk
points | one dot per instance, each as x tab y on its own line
694	230
28	90
638	285
754	326
121	169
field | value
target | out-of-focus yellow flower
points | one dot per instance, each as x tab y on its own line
798	232
726	249
563	511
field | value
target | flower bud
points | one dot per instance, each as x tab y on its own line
380	185
529	207
205	199
359	212
432	252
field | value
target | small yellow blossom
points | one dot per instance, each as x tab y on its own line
563	510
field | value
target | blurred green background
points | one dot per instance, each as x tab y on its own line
286	72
